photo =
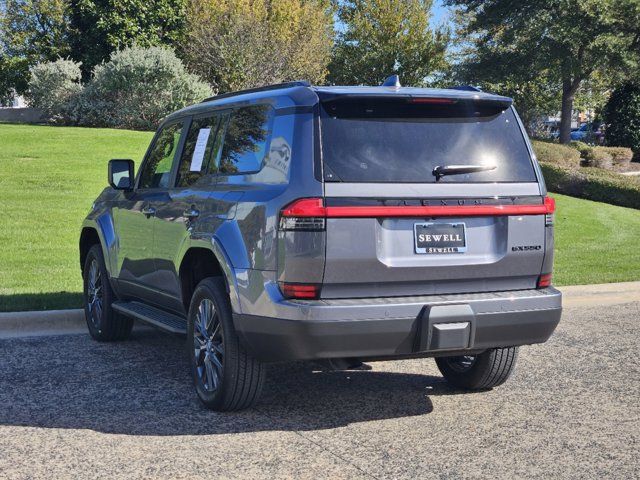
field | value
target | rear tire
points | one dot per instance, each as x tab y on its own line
225	375
105	324
479	372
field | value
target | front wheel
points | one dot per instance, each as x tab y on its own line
225	375
104	323
479	372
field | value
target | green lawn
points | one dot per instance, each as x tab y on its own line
595	242
50	175
48	178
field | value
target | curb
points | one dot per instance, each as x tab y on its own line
600	294
63	322
48	322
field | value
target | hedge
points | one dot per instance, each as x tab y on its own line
593	184
556	154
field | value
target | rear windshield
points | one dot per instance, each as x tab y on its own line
404	143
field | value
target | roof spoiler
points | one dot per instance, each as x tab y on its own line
466	88
276	86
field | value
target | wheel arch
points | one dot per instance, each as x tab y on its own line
88	238
200	261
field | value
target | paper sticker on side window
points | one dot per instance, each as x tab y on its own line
198	152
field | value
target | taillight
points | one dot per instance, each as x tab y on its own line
300	291
550	205
306	214
544	280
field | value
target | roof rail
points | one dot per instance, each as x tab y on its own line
466	88
276	86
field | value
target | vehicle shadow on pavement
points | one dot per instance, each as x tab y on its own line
143	387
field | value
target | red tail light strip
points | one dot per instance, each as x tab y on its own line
313	207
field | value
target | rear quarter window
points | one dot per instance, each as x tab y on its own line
246	141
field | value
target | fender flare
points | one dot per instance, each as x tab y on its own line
215	246
103	226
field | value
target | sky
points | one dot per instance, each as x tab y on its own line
440	13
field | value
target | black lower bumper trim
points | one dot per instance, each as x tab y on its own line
273	339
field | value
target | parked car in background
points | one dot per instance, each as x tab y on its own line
592	133
350	224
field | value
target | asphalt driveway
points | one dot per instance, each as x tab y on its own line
70	407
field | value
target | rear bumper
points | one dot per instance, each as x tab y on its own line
373	328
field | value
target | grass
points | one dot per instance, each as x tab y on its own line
595	242
50	175
48	178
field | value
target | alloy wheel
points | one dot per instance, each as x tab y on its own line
208	346
95	293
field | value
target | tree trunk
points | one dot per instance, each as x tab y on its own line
569	89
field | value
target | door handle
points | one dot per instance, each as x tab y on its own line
148	211
191	213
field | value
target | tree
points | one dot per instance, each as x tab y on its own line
534	99
562	41
99	27
236	44
622	115
31	31
383	37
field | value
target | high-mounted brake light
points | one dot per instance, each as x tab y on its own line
432	101
300	291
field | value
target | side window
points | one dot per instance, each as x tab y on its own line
156	171
246	140
201	149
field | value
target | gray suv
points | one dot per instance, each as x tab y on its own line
348	224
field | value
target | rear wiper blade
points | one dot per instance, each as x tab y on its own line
442	170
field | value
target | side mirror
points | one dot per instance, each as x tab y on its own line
121	174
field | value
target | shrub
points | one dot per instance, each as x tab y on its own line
620	155
622	114
593	184
582	147
137	88
53	86
556	154
598	157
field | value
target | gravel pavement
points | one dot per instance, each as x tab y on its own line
74	408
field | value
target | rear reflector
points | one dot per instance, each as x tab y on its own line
314	208
300	291
544	280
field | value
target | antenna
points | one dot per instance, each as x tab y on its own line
392	81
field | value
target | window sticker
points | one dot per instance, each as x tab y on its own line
198	152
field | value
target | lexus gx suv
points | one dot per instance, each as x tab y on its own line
343	224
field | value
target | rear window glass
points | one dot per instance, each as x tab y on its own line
363	143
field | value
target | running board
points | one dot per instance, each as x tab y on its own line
152	315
